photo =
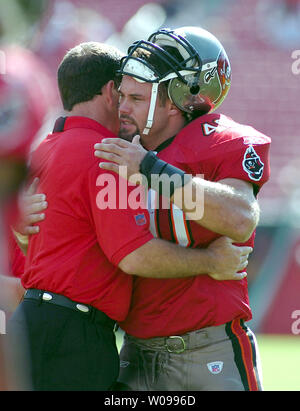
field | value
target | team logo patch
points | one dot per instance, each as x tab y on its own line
252	164
215	367
140	219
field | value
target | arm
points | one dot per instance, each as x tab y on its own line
11	292
163	259
227	207
31	207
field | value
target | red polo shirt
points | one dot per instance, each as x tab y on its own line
81	242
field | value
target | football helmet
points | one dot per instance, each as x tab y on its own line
194	62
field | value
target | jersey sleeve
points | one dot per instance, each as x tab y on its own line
248	162
119	213
217	148
241	158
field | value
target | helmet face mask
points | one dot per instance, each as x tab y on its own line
205	89
171	66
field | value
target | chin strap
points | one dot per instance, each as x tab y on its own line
151	108
154	97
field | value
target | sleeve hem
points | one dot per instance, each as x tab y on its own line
133	245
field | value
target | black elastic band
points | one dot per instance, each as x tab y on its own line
148	162
158	167
155	169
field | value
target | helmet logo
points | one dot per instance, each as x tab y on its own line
224	71
209	75
252	164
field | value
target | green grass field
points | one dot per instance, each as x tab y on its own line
280	357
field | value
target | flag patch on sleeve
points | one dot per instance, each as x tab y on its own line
140	219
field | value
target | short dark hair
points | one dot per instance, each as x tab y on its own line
84	70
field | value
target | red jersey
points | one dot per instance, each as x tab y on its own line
217	148
81	242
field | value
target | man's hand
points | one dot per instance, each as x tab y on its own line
228	259
31	205
120	152
11	292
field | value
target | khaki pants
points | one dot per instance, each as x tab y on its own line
223	358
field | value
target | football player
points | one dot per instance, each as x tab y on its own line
188	334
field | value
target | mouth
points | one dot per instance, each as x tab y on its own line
125	123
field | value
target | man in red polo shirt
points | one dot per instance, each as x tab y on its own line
76	290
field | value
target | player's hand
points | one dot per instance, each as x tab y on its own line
32	206
119	152
228	260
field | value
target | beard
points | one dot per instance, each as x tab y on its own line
124	133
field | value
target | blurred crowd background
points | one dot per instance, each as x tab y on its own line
261	38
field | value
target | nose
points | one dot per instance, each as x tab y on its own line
124	106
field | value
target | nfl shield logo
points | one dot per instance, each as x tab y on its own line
215	367
140	219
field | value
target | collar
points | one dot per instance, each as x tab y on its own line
165	144
67	123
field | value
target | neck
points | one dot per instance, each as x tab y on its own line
95	110
153	140
85	110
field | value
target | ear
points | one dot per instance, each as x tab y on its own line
173	110
110	93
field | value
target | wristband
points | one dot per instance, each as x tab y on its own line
162	176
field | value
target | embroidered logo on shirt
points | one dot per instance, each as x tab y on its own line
252	164
215	367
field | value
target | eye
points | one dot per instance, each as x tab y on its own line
137	98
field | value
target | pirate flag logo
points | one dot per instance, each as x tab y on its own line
252	164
